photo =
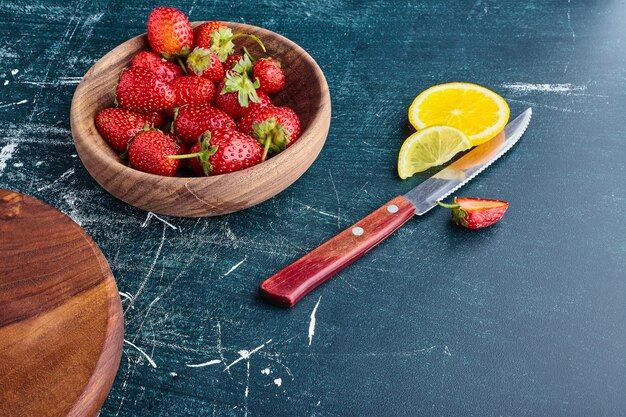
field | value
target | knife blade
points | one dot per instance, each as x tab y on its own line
288	286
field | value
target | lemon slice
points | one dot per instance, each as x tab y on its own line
476	111
430	147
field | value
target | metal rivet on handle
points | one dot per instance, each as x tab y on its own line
357	231
392	208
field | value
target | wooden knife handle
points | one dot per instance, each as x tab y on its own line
289	285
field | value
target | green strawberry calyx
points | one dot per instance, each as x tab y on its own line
206	151
459	215
222	42
244	66
271	135
199	60
243	86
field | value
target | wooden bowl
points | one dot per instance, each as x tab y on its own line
306	92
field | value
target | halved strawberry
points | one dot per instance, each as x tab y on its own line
475	213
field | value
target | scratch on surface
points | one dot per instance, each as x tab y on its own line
446	351
126	295
63	176
571	28
150	270
201	365
235	266
312	322
152	363
332	181
6	153
17	103
546	106
544	88
245	354
247	391
220	349
151	215
323	213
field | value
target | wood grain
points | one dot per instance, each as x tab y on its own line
289	285
61	322
306	92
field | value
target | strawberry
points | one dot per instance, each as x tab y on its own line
191	89
204	63
195	119
203	33
149	150
223	151
474	213
264	101
163	69
234	94
118	126
169	33
156	119
274	127
139	90
270	75
231	61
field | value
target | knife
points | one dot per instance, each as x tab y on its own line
288	286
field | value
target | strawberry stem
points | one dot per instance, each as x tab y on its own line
185	156
256	38
266	147
448	206
182	65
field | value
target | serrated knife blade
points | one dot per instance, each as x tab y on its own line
460	172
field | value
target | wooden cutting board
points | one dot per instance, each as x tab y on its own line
61	321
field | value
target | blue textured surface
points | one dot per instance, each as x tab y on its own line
526	318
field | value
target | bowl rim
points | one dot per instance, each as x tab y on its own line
318	119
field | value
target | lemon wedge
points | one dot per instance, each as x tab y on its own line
430	147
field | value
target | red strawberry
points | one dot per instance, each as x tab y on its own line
156	119
223	151
149	150
139	90
195	119
203	33
192	89
204	63
274	127
231	61
264	101
270	75
163	69
474	213
234	94
169	33
118	126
